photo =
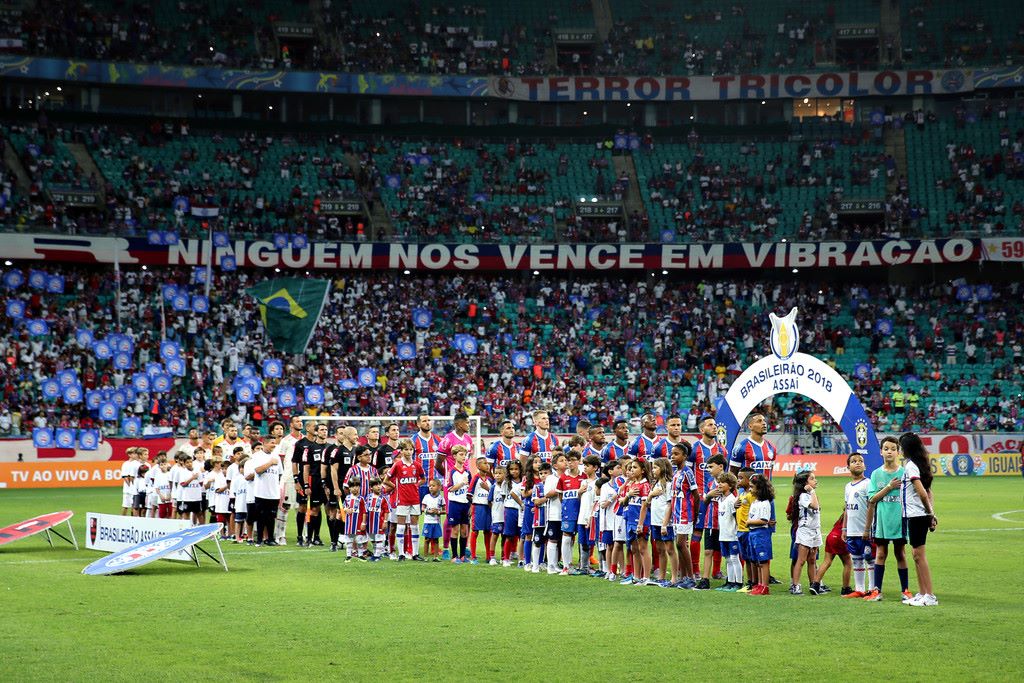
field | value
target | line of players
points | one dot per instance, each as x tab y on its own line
407	472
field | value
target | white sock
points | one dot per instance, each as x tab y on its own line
378	545
400	541
350	550
734	570
415	530
858	573
552	555
566	551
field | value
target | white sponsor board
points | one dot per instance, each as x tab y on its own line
114	533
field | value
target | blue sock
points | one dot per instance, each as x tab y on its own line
879	573
904	578
528	552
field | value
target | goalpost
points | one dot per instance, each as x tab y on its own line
406	425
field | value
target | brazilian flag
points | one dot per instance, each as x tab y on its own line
290	308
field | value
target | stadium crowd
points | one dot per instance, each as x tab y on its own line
958	181
596	349
648	510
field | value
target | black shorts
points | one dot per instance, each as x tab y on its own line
554	531
538	536
916	529
300	498
139	501
711	540
332	501
195	506
317	496
180	505
204	504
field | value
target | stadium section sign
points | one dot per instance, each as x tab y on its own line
510	257
787	370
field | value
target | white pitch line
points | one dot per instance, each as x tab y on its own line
1001	516
963	531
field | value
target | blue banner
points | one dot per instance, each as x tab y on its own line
286	397
422	317
42	437
15	309
367	377
37	279
84	337
64	437
314	395
200	304
72	394
101	349
272	368
141	381
88	439
38	328
521	360
50	388
131	426
13	279
406	351
169	349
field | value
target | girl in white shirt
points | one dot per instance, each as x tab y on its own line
806	514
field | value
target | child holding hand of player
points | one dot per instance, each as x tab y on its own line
480	486
433	511
496	501
759	521
633	500
513	510
806	514
659	500
885	519
457	485
351	509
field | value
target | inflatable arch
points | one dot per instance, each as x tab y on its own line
788	371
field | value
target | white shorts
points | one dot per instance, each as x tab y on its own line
127	499
407	510
152	499
619	531
808	537
682	529
289	492
358	539
379	539
393	516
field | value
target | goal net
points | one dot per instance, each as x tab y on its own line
407	425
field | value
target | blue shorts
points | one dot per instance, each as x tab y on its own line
431	531
792	545
656	534
858	547
606	537
511	525
634	532
527	529
583	533
424	490
744	541
760	546
729	548
458	513
569	526
481	517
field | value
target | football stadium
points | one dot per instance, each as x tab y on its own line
411	340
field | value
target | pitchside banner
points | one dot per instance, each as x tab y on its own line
468	257
735	87
114	533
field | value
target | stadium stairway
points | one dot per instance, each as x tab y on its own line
895	146
634	199
12	162
890	30
84	159
602	18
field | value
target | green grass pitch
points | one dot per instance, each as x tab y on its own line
297	614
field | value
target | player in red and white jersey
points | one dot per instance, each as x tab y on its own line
755	451
404	478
